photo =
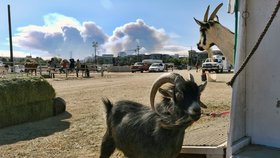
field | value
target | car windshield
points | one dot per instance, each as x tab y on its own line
138	63
209	60
156	64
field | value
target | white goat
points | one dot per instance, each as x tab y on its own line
213	33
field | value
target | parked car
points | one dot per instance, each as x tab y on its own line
139	66
211	65
217	63
157	67
17	68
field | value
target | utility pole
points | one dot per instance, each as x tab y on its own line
10	38
71	54
95	45
137	49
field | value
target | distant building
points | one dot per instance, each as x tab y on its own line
156	56
122	54
107	55
176	56
107	58
165	56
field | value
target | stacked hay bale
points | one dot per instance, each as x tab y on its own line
25	99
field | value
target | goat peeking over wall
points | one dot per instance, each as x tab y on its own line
213	33
158	132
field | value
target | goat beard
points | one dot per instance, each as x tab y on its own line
180	123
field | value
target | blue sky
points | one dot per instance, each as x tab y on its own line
48	28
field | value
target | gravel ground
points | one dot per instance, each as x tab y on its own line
78	132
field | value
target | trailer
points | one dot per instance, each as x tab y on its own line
255	110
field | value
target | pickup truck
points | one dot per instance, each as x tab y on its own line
212	65
139	66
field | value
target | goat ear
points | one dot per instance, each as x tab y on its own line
202	86
191	78
200	23
202	105
166	93
216	18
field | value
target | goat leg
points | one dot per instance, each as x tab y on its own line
108	145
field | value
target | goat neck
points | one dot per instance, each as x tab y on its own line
223	38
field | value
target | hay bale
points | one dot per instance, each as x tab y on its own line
59	106
18	91
25	99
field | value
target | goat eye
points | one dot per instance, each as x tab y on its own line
179	96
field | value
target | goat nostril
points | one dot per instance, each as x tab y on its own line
194	111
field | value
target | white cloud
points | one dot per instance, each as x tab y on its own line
55	21
6	53
174	49
127	37
61	35
174	35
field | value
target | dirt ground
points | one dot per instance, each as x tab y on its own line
78	132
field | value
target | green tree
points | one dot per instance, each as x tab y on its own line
4	59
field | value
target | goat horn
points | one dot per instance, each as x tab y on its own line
213	15
191	78
200	23
165	78
206	14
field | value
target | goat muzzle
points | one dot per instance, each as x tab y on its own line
194	111
199	47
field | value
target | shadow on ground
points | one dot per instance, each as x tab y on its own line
31	130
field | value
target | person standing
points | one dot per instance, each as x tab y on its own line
78	67
196	66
